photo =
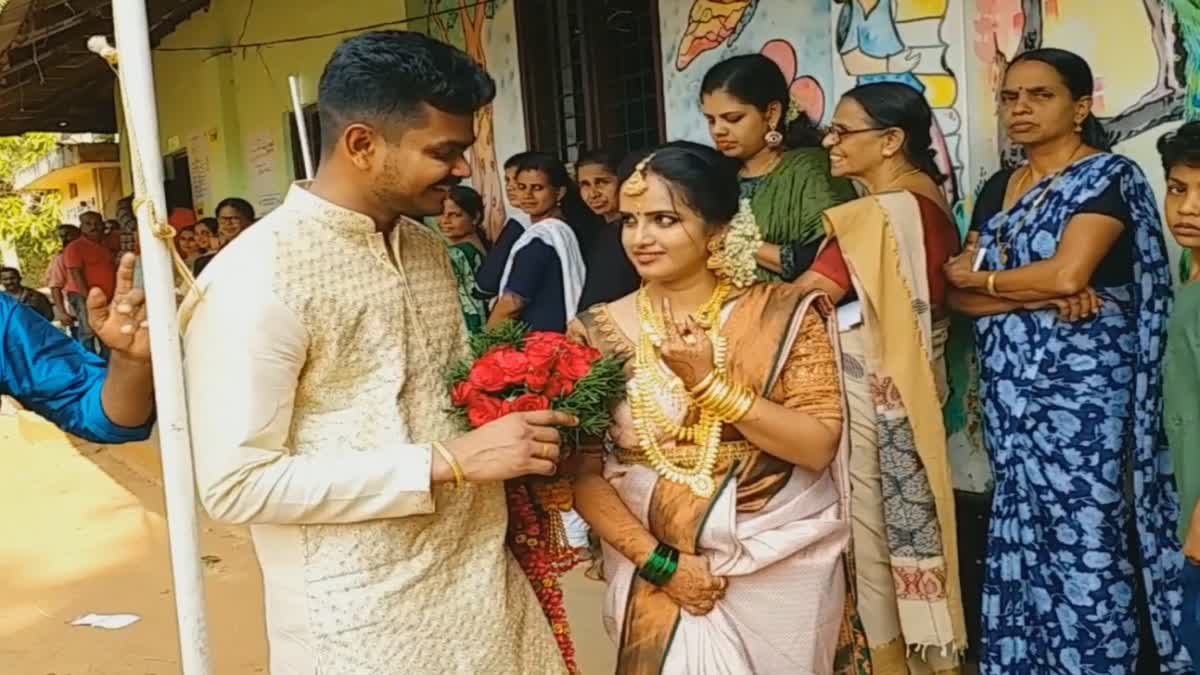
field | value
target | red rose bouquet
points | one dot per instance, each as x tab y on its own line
513	370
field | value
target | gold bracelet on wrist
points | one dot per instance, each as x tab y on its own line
459	479
728	401
991	284
704	384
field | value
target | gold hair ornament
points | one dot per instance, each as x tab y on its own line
636	185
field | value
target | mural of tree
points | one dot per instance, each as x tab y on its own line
1187	14
461	23
1165	101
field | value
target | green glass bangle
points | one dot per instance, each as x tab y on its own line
672	567
661	566
653	569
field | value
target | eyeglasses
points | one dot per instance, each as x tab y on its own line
836	134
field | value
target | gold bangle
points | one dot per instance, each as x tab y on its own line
459	479
991	284
728	401
704	384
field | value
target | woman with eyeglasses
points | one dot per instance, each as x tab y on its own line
882	263
784	171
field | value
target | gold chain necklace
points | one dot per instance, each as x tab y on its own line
1004	244
650	382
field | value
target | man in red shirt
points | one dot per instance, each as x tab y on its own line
89	265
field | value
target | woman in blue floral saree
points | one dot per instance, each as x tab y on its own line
1068	276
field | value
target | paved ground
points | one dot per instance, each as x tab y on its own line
84	532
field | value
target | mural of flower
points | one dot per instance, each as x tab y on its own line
805	90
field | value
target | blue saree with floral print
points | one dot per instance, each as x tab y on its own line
1074	426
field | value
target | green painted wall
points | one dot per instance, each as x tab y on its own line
232	105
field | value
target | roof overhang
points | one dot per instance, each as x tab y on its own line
66	162
49	81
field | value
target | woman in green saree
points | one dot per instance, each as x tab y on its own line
785	171
462	224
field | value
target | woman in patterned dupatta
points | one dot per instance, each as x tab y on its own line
1082	548
749	507
883	264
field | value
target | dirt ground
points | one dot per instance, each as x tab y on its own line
84	531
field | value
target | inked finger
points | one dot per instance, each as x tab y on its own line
125	274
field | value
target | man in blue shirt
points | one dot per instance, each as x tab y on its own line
54	376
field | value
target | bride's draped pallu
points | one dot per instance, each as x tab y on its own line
776	531
1074	426
905	547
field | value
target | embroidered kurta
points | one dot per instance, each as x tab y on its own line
315	371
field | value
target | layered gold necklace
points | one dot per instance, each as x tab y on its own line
652	385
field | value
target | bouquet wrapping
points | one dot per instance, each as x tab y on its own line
514	370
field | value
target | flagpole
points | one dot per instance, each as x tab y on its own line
136	77
301	126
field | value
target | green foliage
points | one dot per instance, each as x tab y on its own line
507	333
28	220
595	396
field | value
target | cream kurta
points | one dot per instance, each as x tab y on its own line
314	378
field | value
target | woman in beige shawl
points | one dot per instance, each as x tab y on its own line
728	461
882	263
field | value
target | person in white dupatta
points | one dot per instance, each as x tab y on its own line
530	291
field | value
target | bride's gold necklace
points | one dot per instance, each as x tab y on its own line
650	381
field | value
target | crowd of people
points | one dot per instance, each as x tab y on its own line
774	495
1065	273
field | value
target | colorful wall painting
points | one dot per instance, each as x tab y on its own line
698	34
913	42
464	23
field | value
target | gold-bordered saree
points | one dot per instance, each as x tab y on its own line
776	531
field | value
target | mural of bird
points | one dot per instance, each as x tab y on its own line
712	23
1187	13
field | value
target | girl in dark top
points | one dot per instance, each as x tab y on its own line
487	278
610	274
1066	273
543	278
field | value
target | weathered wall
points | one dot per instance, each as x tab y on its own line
698	34
229	108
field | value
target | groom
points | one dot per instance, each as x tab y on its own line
315	356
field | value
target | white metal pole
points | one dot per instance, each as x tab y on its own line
141	117
301	126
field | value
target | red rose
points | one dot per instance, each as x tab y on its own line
575	364
537	379
512	362
530	402
487	375
462	394
546	338
505	407
541	355
484	409
559	386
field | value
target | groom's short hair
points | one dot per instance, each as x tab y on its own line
386	77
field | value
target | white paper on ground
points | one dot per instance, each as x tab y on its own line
108	621
849	315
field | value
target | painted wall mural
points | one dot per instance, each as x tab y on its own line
910	42
700	33
464	23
